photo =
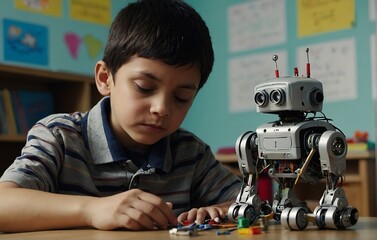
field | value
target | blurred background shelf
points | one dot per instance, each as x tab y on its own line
71	92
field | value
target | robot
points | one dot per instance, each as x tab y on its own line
299	147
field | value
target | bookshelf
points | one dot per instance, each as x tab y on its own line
71	92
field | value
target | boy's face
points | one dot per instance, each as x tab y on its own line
149	100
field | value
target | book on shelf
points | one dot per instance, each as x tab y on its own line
361	146
19	114
21	109
3	117
30	107
11	127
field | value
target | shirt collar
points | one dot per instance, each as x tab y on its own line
160	156
105	148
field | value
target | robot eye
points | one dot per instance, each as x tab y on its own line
261	98
277	96
316	97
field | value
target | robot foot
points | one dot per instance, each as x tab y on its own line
333	218
297	218
243	210
294	218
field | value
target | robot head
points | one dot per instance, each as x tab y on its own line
289	94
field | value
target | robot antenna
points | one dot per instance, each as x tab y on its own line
275	59
307	64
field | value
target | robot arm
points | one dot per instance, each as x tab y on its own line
248	203
332	149
247	153
333	211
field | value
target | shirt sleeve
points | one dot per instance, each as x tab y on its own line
214	183
38	165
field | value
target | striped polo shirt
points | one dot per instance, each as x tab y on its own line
78	154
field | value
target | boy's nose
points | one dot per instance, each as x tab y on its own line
160	107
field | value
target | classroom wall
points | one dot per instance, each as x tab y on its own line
210	117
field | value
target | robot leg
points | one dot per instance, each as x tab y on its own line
334	212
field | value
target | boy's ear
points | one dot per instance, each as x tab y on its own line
103	78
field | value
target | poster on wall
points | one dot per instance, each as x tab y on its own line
25	43
47	7
373	47
246	72
92	11
334	64
315	17
73	41
256	24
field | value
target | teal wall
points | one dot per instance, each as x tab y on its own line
210	117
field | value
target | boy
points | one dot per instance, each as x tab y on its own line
126	163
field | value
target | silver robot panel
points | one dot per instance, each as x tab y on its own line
289	94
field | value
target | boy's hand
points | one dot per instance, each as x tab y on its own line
133	209
198	215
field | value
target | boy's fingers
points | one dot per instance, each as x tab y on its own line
134	219
158	210
170	204
192	215
183	217
201	215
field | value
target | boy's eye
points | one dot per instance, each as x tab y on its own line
143	89
185	96
182	100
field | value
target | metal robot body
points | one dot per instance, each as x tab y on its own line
299	147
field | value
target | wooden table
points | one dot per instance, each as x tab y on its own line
366	228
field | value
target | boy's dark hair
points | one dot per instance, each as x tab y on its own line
166	30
